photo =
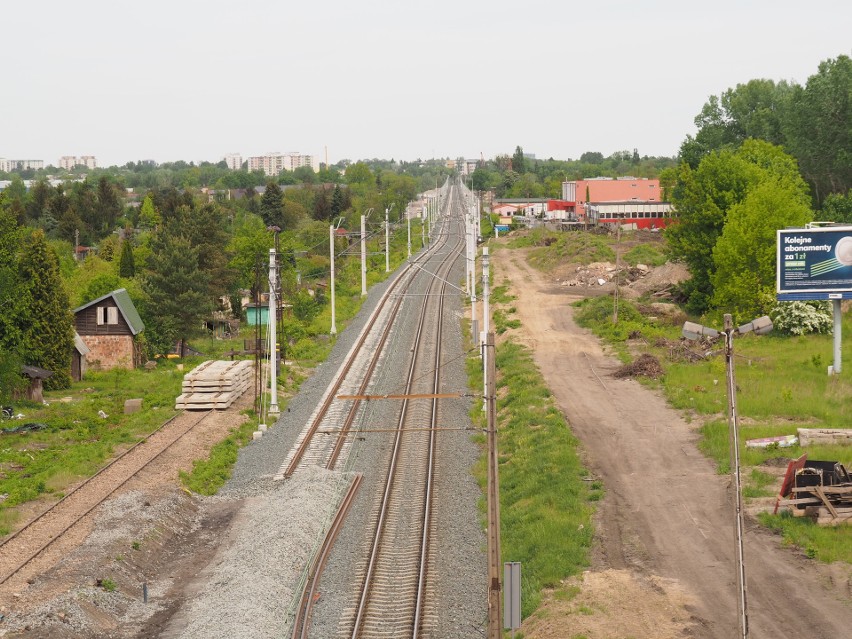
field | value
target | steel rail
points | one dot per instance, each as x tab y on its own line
403	280
392	471
76	490
301	623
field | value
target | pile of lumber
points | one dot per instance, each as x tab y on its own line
215	385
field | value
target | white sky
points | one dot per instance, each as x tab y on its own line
196	79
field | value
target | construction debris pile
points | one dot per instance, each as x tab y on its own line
821	490
215	385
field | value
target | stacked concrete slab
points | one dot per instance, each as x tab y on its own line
215	385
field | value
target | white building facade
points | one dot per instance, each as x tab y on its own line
234	161
68	162
8	166
274	163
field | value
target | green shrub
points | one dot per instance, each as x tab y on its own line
801	318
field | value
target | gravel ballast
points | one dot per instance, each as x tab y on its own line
250	586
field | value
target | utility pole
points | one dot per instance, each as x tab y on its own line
615	299
333	329
387	238
494	559
733	426
273	338
485	311
363	256
408	220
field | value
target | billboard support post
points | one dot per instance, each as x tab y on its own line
838	327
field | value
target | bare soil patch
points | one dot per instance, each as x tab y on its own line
151	532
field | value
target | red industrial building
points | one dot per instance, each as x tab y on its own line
622	200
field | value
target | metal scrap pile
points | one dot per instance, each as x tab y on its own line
821	490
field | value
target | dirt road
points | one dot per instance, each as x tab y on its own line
664	558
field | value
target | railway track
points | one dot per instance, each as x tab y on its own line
392	600
393	593
25	547
333	418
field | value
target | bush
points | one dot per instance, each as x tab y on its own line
801	318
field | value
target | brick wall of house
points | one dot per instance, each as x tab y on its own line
109	351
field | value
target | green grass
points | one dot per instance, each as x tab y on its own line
552	248
648	254
500	294
502	321
823	543
596	314
782	386
546	506
209	475
76	441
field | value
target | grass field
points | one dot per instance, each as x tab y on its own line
75	440
546	500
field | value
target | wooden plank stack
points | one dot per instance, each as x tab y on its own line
215	385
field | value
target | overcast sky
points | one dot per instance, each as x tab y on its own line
196	79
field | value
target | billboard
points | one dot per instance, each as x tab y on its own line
814	263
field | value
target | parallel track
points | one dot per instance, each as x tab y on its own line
335	416
17	551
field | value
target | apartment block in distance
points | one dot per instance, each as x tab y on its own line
234	161
68	162
274	163
7	166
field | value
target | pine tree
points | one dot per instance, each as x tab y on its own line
48	326
177	288
10	238
272	205
126	264
108	205
337	201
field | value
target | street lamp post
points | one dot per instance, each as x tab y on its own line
387	238
760	326
364	252
331	229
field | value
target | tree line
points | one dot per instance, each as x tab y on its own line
767	155
518	176
180	252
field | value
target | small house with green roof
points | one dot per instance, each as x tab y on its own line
108	326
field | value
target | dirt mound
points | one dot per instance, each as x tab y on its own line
658	281
645	365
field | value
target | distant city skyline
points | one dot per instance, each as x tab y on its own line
196	81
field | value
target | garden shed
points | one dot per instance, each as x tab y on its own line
108	327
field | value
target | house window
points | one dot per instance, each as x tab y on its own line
106	315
